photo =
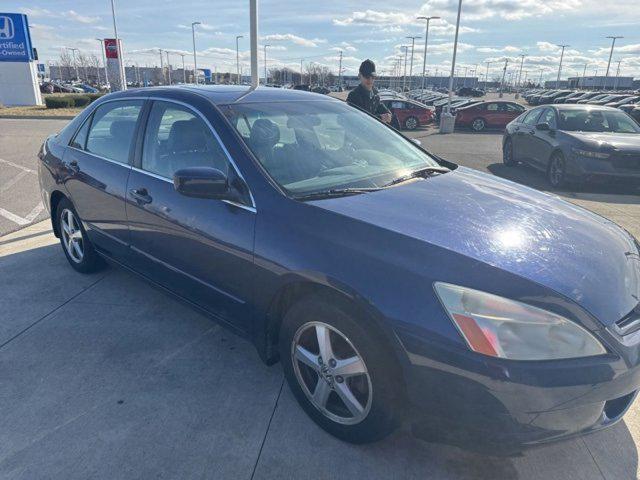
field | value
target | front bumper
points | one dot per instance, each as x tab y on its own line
502	407
620	166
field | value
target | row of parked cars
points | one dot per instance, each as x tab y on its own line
57	87
628	102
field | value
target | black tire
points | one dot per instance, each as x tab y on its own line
411	123
381	417
89	261
508	157
478	124
557	171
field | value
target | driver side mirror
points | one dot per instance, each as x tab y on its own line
201	182
544	126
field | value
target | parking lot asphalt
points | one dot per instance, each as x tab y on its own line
102	376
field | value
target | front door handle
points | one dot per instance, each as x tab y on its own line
73	166
141	195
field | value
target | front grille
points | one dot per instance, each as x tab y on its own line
629	323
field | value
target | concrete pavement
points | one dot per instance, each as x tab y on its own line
102	376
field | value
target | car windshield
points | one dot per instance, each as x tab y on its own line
313	147
589	120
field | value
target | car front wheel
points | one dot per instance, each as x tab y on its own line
478	125
338	372
76	245
411	123
557	171
508	157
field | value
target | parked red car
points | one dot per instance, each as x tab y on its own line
488	115
409	115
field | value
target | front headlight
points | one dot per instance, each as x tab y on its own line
589	153
504	328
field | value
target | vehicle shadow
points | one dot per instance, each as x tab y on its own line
163	384
616	192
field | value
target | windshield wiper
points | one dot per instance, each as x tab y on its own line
417	173
336	192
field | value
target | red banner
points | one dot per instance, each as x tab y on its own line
111	48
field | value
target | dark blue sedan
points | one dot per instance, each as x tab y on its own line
392	285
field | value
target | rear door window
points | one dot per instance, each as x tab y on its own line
112	130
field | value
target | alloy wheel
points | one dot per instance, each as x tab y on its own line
556	171
411	123
72	235
331	373
478	124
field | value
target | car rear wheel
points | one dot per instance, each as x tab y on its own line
338	372
557	171
75	244
411	123
508	157
478	124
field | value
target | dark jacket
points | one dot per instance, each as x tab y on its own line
366	100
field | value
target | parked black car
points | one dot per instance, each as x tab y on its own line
575	143
470	92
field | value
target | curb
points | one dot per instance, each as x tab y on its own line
37	117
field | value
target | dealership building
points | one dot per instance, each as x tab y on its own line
601	82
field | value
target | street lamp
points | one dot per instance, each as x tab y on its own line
161	65
520	75
104	62
413	44
613	43
560	67
265	63
75	64
453	71
168	66
184	71
123	78
404	76
195	60
426	43
238	37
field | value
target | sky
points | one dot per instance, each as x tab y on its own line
316	31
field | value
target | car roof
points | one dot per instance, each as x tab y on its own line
226	94
576	106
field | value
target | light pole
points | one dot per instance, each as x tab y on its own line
613	44
195	59
504	74
184	71
413	44
75	64
104	61
560	66
265	63
453	61
238	37
161	65
253	40
615	87
404	76
486	75
520	74
426	43
123	78
168	66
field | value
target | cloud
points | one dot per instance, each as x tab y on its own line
505	49
73	15
289	37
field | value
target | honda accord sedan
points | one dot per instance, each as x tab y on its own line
575	143
392	285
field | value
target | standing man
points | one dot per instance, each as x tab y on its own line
365	96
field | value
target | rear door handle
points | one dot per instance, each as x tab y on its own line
141	195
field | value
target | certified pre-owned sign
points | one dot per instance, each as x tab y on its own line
15	41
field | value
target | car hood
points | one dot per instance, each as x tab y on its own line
624	142
540	237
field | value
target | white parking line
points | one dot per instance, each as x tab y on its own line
22	220
18	166
6	186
